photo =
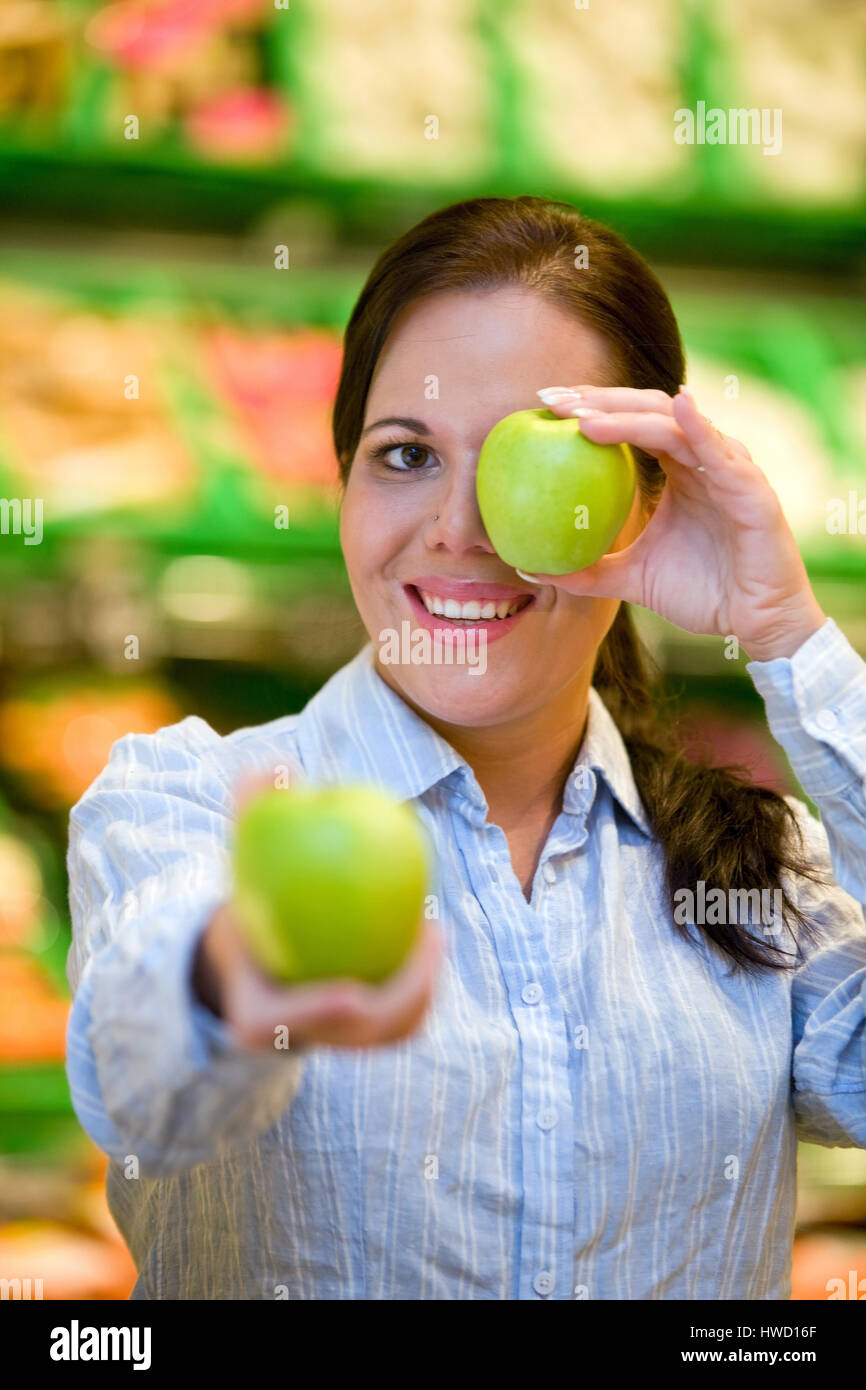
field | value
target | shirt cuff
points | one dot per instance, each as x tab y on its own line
816	708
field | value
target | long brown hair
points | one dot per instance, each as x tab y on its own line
712	823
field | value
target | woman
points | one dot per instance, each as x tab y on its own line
585	1096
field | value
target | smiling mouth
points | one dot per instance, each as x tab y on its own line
479	610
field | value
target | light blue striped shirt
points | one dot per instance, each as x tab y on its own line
593	1108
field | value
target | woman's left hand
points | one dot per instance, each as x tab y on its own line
717	555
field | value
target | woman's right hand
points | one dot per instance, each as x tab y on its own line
340	1012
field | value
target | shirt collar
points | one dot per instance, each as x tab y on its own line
603	749
356	728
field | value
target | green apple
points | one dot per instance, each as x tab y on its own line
551	500
329	881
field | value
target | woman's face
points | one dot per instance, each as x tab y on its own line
454	364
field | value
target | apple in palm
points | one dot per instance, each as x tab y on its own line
551	500
329	882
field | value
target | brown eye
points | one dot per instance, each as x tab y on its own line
402	456
412	455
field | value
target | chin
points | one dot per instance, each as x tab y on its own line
457	695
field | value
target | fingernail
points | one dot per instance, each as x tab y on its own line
551	394
530	577
686	392
585	413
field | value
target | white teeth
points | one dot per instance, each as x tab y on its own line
471	611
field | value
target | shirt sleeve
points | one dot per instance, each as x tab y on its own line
816	708
152	1072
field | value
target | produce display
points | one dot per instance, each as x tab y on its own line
194	73
73	1263
21	877
56	736
433	92
84	416
279	388
551	500
197	65
814	74
330	882
92	404
624	58
34	1014
396	90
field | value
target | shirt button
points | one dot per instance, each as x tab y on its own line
531	994
543	1282
825	719
549	873
546	1119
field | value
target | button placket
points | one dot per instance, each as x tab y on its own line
521	943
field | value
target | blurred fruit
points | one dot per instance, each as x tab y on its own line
70	1265
330	881
34	1014
60	740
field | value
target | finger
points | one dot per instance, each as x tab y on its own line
563	400
417	971
714	451
347	1006
369	1013
658	435
385	1000
260	1007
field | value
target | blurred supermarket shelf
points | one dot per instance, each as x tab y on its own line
701	230
197	511
177	115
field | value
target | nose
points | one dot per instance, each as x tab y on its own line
455	522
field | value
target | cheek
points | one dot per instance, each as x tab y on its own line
371	543
363	532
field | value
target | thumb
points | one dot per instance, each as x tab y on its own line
613	576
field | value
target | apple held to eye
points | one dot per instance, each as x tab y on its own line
329	882
551	500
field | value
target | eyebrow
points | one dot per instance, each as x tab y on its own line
405	420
